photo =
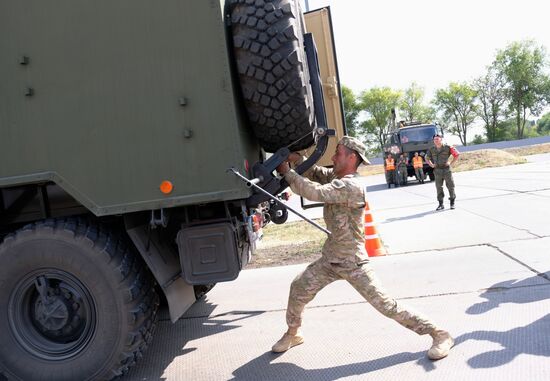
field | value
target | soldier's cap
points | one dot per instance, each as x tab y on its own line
356	145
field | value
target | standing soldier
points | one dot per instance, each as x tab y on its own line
402	169
438	158
418	165
343	254
389	165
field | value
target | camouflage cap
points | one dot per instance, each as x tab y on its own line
356	145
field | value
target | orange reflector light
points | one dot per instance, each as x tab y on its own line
166	187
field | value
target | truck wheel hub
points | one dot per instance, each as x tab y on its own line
52	314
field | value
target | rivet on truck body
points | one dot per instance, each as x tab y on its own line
29	92
24	60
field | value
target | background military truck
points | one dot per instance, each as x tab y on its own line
118	123
409	138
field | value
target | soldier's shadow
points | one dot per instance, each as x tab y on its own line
531	339
536	287
410	217
261	368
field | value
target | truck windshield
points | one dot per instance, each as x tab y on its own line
420	134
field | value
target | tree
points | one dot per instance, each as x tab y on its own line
457	103
378	103
522	64
492	101
412	106
351	111
543	124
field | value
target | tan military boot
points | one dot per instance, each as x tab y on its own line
287	341
442	344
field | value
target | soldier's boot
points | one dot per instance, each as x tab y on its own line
440	207
452	204
442	344
287	341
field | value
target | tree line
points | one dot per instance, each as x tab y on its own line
514	88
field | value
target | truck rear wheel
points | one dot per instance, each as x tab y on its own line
75	303
273	71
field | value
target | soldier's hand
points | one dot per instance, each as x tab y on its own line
283	168
293	157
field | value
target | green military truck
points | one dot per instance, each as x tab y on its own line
118	124
409	138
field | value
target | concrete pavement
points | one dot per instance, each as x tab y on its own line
482	271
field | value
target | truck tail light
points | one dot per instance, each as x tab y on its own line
257	222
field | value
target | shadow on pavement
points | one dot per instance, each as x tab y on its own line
533	339
376	188
261	368
499	293
197	323
411	217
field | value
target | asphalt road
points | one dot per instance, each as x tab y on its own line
481	271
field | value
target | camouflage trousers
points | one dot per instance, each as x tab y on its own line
321	273
419	173
444	174
402	175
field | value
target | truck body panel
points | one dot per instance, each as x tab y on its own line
124	91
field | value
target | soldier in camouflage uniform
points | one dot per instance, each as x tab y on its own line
438	158
343	254
402	169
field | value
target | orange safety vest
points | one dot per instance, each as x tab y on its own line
390	165
417	162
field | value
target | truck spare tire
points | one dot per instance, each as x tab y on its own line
273	72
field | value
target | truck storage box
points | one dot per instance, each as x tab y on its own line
208	253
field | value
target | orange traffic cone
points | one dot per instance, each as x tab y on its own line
372	241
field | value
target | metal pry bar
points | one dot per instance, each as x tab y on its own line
252	183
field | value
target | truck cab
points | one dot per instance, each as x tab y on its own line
409	138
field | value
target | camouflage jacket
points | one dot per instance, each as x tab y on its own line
343	211
439	157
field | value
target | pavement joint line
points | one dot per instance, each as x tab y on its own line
501	223
542	275
466	246
510	192
258	312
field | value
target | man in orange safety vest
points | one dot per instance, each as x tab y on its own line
418	165
389	166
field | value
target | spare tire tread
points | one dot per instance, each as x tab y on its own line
273	72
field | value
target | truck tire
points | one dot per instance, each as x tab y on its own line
273	72
75	303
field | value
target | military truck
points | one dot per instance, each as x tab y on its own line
118	124
411	137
